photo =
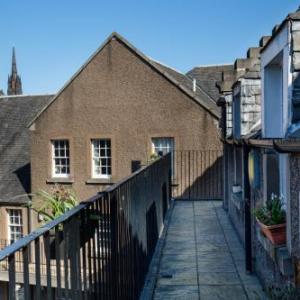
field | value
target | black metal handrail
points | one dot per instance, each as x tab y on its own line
101	248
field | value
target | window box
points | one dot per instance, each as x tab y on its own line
279	254
275	233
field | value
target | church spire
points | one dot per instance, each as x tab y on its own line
14	80
14	62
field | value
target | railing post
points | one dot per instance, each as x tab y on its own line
12	276
26	272
189	170
37	268
114	278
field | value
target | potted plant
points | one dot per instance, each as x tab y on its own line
271	219
54	204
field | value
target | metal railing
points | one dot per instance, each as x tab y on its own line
101	249
198	174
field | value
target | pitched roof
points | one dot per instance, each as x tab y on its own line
208	76
176	78
15	113
187	82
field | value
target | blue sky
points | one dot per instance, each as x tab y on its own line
54	38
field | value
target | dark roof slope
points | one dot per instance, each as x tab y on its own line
15	113
208	76
187	82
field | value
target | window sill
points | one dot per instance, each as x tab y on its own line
104	181
60	180
279	254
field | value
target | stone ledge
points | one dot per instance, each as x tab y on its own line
104	181
237	200
60	180
279	254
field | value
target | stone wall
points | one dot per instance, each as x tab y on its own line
228	99
265	266
294	200
118	96
247	94
235	201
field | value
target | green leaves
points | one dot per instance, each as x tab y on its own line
272	213
54	203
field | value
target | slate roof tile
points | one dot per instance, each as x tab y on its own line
15	114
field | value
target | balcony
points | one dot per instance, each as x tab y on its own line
133	241
101	249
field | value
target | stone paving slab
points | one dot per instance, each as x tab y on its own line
222	292
186	292
203	257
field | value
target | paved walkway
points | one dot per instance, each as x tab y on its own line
202	257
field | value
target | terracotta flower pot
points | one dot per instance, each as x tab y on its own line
275	233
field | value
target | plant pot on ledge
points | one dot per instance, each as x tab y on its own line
275	233
271	218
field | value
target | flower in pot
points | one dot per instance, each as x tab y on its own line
271	218
52	205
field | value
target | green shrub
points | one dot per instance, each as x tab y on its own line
54	203
272	213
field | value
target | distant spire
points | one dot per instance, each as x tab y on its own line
14	62
14	80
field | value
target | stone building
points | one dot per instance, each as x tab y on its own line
261	150
118	109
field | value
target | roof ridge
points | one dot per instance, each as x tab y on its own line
23	96
165	65
186	76
212	65
142	56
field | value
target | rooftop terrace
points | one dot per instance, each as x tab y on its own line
134	241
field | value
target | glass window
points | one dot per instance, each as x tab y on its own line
15	224
61	158
101	158
162	145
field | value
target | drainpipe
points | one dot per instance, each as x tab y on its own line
247	196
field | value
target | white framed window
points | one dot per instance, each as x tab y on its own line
60	158
162	145
101	158
15	224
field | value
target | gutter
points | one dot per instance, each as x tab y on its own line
280	145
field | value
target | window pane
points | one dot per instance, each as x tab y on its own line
164	145
14	224
102	143
61	160
102	152
101	157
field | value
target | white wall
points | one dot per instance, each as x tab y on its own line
280	44
273	100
